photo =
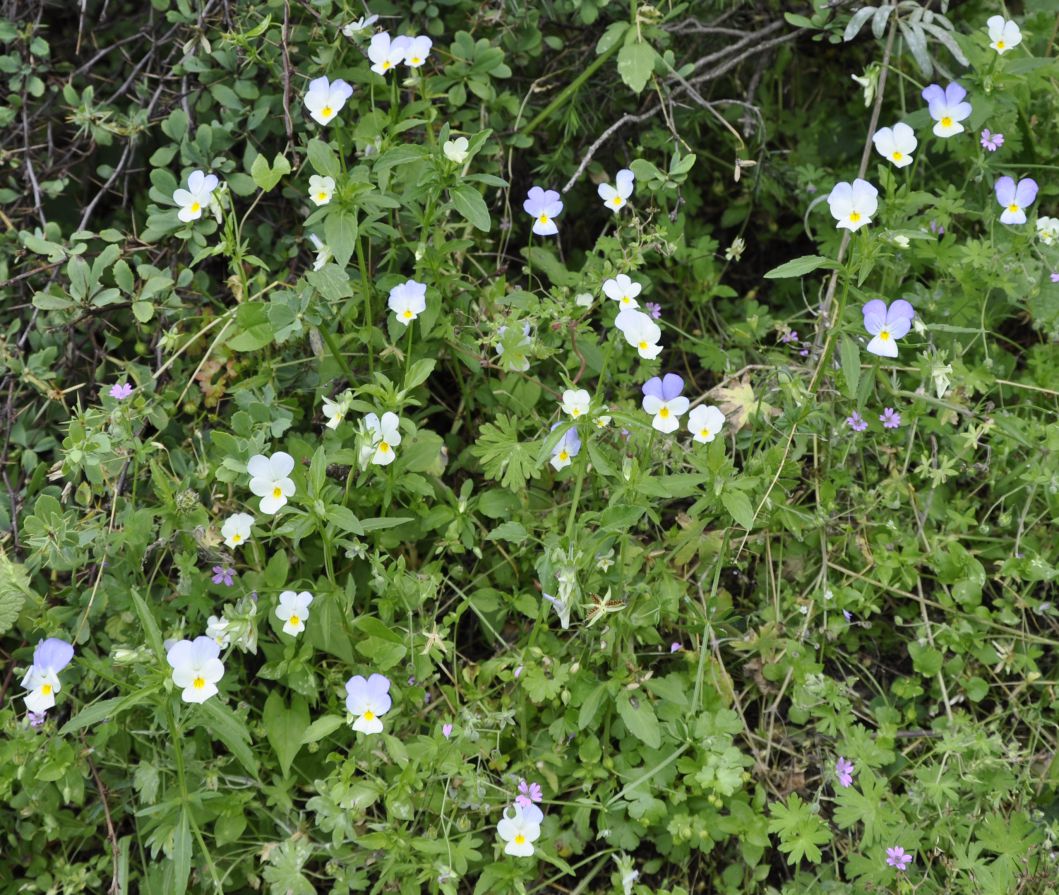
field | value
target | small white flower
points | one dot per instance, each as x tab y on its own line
418	51
386	52
321	189
896	144
568	447
641	332
336	411
407	301
664	401
622	290
50	656
852	205
384	435
704	423
196	198
615	197
1004	34
217	630
236	529
361	24
368	700
947	107
323	251
1048	230
293	610
325	99
270	480
519	830
456	150
576	402
886	325
196	667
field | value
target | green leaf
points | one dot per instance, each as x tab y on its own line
253	330
320	728
471	206
149	625
739	507
639	717
226	726
801	831
285	727
322	157
104	709
182	853
265	176
850	354
799	267
14	588
636	61
509	531
340	234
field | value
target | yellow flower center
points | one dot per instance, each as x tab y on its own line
387	65
642	346
1013	208
520	839
543	219
383	447
575	412
198	683
294	620
322	197
407	314
236	538
897	156
946	121
277	492
46	690
705	433
1000	45
563	455
884	335
369	715
625	299
664	413
854	216
195	206
327	111
617	201
415	60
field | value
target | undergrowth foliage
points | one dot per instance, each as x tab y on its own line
581	446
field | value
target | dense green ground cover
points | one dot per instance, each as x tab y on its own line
792	630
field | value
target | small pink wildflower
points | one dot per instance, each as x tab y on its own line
120	392
223	575
890	418
898	857
654	309
446	730
991	142
528	793
1055	277
856	422
844	771
676	647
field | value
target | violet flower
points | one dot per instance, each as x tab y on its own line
844	771
120	392
223	575
856	422
890	418
898	857
992	142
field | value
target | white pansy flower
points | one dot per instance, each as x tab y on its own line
456	150
947	107
418	51
704	423
384	435
50	657
1004	34
270	480
641	332
576	402
368	700
896	144
664	401
615	197
323	251
336	411
236	529
321	189
853	204
361	24
544	206
196	198
324	99
196	668
386	53
1048	230
293	610
407	301
519	829
217	630
622	290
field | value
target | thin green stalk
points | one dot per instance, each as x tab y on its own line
571	88
333	347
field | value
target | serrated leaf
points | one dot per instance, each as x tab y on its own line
14	588
636	61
